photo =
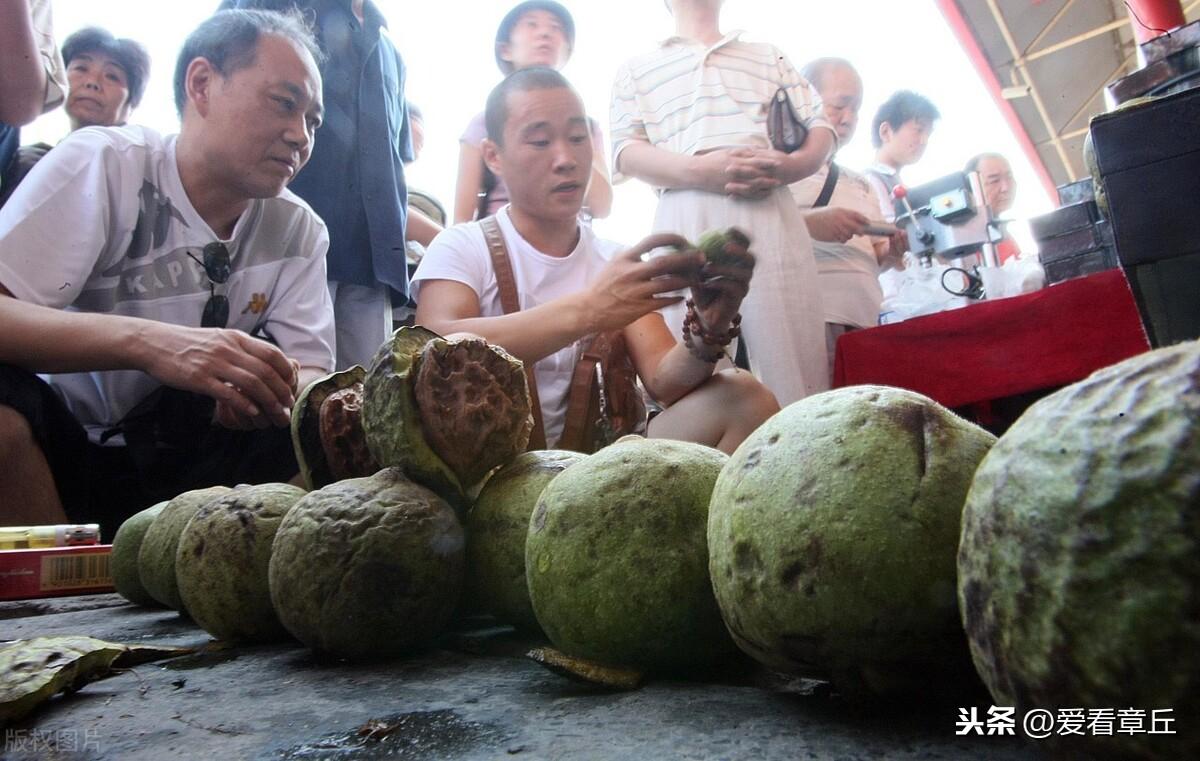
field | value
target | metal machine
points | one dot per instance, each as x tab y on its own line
948	219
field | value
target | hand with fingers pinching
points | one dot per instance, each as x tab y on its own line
229	416
253	382
712	318
724	278
631	287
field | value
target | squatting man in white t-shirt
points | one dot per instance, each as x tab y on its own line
171	291
572	285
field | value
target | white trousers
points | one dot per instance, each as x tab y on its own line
782	318
362	317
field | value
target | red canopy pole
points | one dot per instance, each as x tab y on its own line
1152	18
966	38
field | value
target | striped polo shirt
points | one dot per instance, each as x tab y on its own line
688	98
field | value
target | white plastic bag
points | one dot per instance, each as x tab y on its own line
1018	275
916	290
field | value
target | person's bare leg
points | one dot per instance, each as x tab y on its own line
721	413
27	492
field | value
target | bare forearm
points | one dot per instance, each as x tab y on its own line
813	155
421	228
677	373
22	75
249	375
600	193
530	334
662	168
665	366
469	183
45	340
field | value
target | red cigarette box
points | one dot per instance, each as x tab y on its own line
55	571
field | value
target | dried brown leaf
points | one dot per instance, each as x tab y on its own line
34	670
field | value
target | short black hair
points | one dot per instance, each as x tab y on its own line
975	161
129	54
229	40
904	106
505	30
495	116
815	71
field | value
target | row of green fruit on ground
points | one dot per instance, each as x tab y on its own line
834	543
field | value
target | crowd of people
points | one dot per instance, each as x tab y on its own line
165	298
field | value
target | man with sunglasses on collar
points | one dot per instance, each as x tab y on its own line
169	290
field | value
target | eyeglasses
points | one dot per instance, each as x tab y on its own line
216	268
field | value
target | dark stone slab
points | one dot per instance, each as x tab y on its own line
472	697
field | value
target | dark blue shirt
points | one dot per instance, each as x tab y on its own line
10	139
355	177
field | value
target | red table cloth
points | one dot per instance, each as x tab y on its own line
995	349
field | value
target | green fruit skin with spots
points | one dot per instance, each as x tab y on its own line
496	531
616	559
156	556
1079	567
222	559
126	545
832	535
713	243
391	421
367	567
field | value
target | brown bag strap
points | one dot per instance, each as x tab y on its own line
581	397
506	283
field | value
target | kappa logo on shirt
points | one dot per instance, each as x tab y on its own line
257	304
171	275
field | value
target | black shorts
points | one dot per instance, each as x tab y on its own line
171	446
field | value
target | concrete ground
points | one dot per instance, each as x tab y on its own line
472	697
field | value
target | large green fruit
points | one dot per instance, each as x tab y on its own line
221	563
156	556
126	545
327	432
1079	568
832	535
496	531
446	412
367	567
616	558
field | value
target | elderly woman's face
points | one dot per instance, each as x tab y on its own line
98	94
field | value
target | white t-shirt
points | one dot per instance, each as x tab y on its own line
42	17
883	192
460	253
102	224
848	273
